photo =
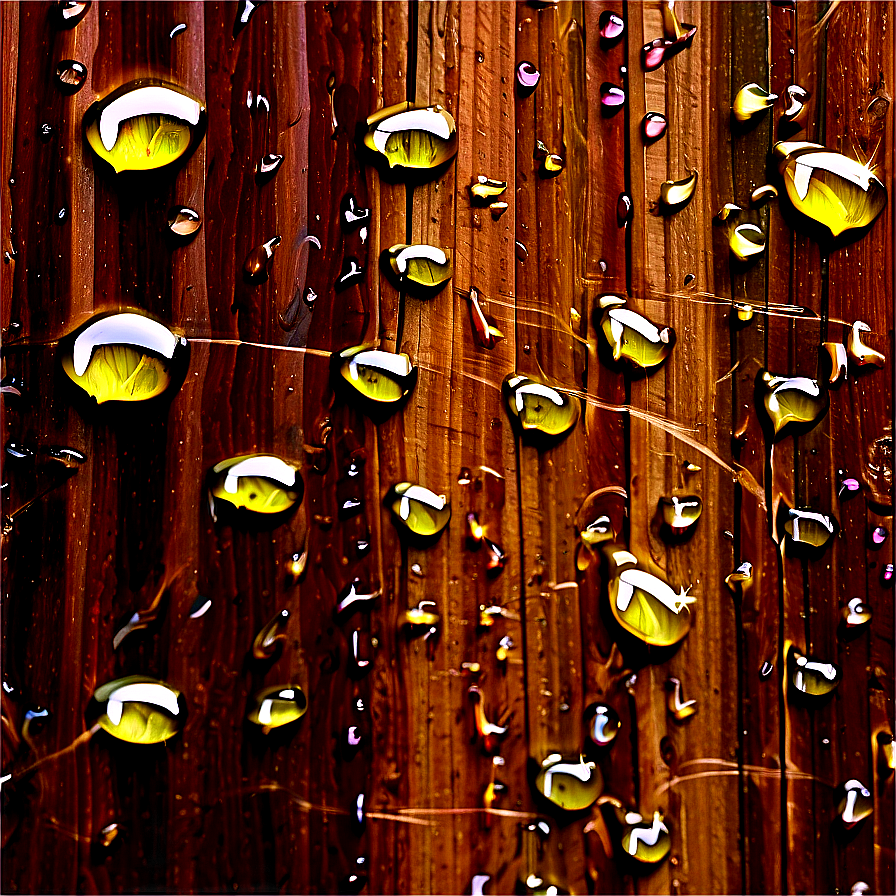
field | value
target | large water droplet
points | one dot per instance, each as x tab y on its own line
68	13
277	706
184	222
834	191
420	269
611	25
746	241
408	136
676	194
612	98
570	783
263	487
485	189
417	510
70	76
810	528
379	379
144	125
645	842
632	337
856	614
810	676
854	802
793	404
258	260
538	409
138	709
527	77
751	101
681	514
123	357
603	724
653	126
267	167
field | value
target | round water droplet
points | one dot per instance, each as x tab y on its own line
309	297
417	510
138	709
746	241
603	724
379	379
552	164
262	486
646	842
681	514
268	166
810	528
277	706
848	486
631	337
124	357
854	802
646	606
751	101
183	222
420	269
144	125
611	25
572	784
792	404
527	76
856	614
810	676
887	575
409	136
877	537
70	76
67	13
653	126
538	409
611	97
841	195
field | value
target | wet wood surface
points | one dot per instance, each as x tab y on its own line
748	785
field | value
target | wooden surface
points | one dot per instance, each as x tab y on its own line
747	784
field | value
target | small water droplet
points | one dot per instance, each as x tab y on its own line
877	537
631	337
70	458
480	56
417	510
676	194
603	724
653	126
679	708
538	409
19	452
859	888
856	614
261	488
268	166
612	98
751	101
681	514
465	477
848	486
184	222
570	783
244	14
611	25
409	136
797	98
177	29
144	125
861	354
738	580
766	670
485	189
646	843
809	528
763	195
199	607
70	76
352	272
552	164
138	709
352	216
792	404
809	676
262	104
277	706
46	132
497	559
257	261
854	802
527	77
887	575
355	596
420	269
624	210
486	333
68	13
270	636
746	241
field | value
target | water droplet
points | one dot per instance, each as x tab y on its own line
678	708
497	209
832	360
379	379
244	13
624	209
537	408
487	335
745	241
861	354
854	802
265	644
477	887
856	614
570	783
809	676
408	136
420	269
183	222
738	580
653	126
200	606
177	29
848	487
474	532
484	189
809	528
465	477
144	125
422	615
763	195
68	13
887	575
633	338
552	164
70	76
123	357
611	25
480	56
277	706
489	732
877	537
108	836
352	272
797	98
268	166
612	98
676	194
355	596
46	132
859	888
417	510
527	76
352	216
309	297
522	253
257	261
834	191
766	670
261	486
644	604
681	514
138	709
727	212
751	101
646	843
793	404
603	724
19	452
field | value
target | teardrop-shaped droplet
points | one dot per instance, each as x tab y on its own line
539	409
632	337
679	708
552	164
763	195
380	379
138	709
352	216
144	125
123	357
854	802
572	784
751	100
681	514
797	98
624	209
611	25
417	510
611	96
484	189
830	189
847	486
408	136
268	166
793	404
257	261
746	240
876	537
265	644
856	614
68	13
259	485
184	222
833	362
422	270
740	578
244	14
603	724
199	607
485	332
810	676
676	194
527	76
653	126
277	706
646	606
646	842
810	528
71	76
